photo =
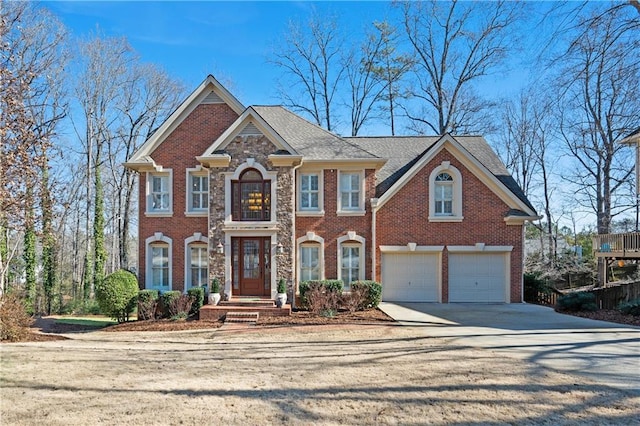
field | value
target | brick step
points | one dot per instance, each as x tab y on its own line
214	313
242	317
248	302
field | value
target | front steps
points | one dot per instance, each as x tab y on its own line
243	310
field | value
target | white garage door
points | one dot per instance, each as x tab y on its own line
478	277
410	277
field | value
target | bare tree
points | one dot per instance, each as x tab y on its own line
310	57
455	45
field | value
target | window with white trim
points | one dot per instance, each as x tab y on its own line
198	265
159	193
310	262
350	192
160	266
444	194
198	193
349	263
310	191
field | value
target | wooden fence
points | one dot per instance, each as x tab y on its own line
611	297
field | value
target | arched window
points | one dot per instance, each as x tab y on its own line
158	262
251	197
444	194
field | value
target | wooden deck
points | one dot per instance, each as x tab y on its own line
620	246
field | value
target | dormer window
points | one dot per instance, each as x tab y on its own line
251	197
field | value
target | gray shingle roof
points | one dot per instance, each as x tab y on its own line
404	151
308	139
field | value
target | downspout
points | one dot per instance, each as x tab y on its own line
374	210
294	254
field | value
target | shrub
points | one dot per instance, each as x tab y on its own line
372	293
577	301
147	304
197	295
117	295
282	286
81	307
321	296
179	307
215	286
167	299
631	307
14	319
353	300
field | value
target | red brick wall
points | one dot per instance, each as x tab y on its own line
404	219
190	139
331	226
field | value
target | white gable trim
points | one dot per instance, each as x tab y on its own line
248	117
210	84
470	162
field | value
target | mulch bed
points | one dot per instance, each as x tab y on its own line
609	315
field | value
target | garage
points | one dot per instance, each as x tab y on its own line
478	277
410	277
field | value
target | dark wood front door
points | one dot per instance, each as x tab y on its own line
252	266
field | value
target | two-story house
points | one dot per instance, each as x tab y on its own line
252	195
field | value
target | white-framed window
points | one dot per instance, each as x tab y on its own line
158	262
310	262
351	192
351	258
350	263
159	199
309	191
198	265
197	191
310	259
196	261
445	194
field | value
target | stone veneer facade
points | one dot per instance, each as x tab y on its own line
249	151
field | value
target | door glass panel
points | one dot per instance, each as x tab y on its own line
251	260
267	265
236	263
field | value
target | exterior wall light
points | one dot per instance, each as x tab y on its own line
220	248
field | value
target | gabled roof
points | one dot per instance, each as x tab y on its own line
407	155
141	159
633	138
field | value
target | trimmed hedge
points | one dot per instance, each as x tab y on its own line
197	294
335	286
169	299
147	303
372	291
117	295
577	301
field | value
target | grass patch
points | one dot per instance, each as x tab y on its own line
97	322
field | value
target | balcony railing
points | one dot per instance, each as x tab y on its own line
617	245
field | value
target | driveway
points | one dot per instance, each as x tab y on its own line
605	352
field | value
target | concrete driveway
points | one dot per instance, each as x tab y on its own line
605	352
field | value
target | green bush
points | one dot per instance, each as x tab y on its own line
147	304
117	295
197	294
372	291
80	307
321	296
168	299
215	286
577	301
631	307
282	286
14	319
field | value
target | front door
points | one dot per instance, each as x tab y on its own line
251	266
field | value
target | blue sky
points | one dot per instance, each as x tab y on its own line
230	40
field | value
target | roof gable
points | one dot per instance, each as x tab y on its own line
497	179
210	91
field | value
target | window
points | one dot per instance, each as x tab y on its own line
350	264
159	193
309	262
251	197
351	196
160	266
198	265
198	192
444	194
309	192
351	258
158	262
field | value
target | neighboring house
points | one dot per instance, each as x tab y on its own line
251	195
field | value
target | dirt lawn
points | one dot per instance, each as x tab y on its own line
359	374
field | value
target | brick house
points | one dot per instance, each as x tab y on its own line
252	195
